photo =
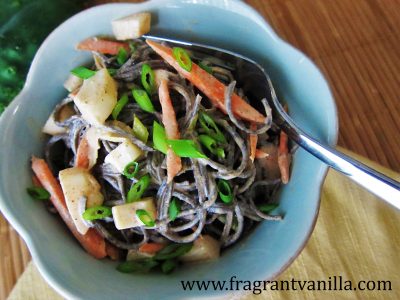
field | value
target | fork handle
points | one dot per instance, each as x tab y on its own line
377	183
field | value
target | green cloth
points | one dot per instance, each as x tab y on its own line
24	24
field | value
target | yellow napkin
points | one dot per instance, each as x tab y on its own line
356	237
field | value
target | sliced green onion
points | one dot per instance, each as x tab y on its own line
183	58
139	130
205	67
143	100
142	266
119	106
192	124
159	138
225	191
122	56
173	251
112	71
97	212
209	126
131	169
138	189
145	217
211	145
174	209
168	266
83	72
267	208
38	193
148	79
220	152
186	148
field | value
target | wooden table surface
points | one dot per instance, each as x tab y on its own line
355	44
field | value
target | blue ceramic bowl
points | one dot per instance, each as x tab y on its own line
227	24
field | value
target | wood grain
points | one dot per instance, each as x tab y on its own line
355	44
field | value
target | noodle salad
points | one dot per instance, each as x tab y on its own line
155	157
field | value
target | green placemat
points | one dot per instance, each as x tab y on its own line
24	24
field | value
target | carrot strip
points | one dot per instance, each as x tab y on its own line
261	154
168	112
151	248
253	138
283	154
112	251
283	157
82	154
174	164
102	46
36	181
92	242
209	85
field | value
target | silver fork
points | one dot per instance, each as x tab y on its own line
256	82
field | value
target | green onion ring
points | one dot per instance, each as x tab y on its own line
139	130
209	126
174	209
267	208
186	148
183	58
38	193
211	145
205	67
97	212
159	138
145	217
122	56
173	251
142	266
119	106
143	100
131	169
83	72
137	190
168	266
148	79
225	191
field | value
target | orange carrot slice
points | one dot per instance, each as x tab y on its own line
168	112
112	251
209	85
92	242
253	138
36	181
82	154
260	154
174	164
102	46
283	157
151	248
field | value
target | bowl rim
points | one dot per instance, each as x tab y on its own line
237	6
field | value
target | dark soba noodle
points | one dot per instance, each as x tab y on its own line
195	186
